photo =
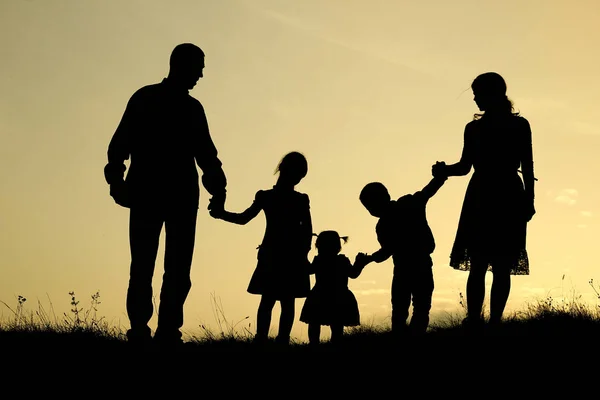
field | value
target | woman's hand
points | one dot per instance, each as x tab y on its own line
361	260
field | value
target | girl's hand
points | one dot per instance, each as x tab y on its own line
216	213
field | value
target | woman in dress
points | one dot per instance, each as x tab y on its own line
498	204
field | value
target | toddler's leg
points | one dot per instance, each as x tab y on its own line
314	333
422	293
401	296
337	333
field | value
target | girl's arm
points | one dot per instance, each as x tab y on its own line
355	270
462	167
241	218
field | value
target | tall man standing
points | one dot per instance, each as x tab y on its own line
165	134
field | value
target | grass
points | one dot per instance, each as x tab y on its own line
539	328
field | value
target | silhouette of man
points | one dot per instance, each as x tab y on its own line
165	134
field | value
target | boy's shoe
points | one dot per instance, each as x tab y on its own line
167	341
282	340
139	338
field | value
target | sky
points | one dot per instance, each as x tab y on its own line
368	91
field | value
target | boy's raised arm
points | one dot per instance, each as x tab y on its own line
432	187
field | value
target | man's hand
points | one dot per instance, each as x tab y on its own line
120	194
216	205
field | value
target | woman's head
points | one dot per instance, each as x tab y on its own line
329	242
489	91
292	167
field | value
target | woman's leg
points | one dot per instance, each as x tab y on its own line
500	291
263	319
476	289
286	320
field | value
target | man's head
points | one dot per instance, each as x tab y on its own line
186	65
375	197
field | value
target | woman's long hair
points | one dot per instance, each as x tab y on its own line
492	86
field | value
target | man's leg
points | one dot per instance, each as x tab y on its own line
144	234
180	229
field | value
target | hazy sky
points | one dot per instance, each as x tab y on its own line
367	90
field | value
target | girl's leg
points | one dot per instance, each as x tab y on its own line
500	291
263	319
286	320
314	333
476	289
337	333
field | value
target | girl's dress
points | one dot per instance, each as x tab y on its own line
330	302
492	224
281	271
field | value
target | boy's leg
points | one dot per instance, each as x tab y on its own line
422	294
401	296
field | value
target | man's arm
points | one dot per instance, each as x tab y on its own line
380	255
206	155
119	148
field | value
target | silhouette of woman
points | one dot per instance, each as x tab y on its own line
281	272
330	302
497	206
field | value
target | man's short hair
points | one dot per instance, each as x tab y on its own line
184	53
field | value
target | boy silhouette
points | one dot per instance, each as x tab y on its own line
404	234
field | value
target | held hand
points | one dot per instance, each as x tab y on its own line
120	194
216	206
362	259
438	170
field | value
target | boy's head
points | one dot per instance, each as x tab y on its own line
375	197
329	242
